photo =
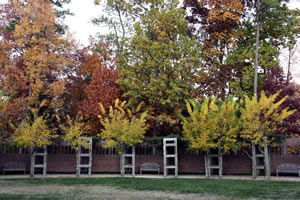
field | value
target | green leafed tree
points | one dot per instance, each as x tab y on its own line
4	124
267	27
160	62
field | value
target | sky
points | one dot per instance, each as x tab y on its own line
79	24
81	28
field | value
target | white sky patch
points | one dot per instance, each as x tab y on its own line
79	24
295	69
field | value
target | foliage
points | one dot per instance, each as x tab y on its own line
216	26
227	30
61	13
118	18
102	89
260	118
74	129
160	62
276	81
34	59
3	121
34	134
211	126
92	80
122	126
277	28
57	6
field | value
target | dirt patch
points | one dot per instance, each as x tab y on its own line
92	192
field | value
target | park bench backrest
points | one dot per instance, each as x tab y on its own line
288	166
14	165
150	166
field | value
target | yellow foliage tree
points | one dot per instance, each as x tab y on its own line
211	126
260	118
74	129
34	134
122	126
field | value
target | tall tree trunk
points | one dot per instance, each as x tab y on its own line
206	164
288	68
267	160
32	161
122	160
220	162
290	56
154	135
253	161
258	5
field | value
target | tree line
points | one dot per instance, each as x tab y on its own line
157	56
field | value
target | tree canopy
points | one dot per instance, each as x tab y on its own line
212	125
160	62
122	126
261	118
161	53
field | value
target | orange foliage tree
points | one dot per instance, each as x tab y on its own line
33	59
91	81
216	24
102	89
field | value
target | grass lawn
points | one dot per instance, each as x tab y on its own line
204	188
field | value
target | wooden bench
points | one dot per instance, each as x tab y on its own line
288	168
150	167
14	167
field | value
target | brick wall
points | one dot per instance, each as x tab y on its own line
61	159
188	163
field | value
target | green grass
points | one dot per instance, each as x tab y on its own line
228	189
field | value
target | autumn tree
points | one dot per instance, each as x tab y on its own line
159	64
216	26
122	126
102	89
228	32
212	126
92	81
260	119
34	59
73	129
34	134
276	81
